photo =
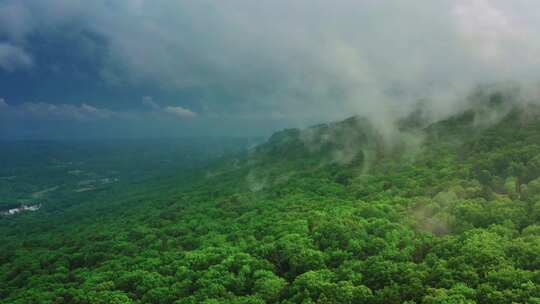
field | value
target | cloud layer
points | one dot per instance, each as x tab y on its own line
85	112
52	112
293	62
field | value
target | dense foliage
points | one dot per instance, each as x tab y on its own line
448	213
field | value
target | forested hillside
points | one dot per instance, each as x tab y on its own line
443	212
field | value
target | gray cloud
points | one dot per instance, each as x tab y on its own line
304	61
3	104
57	112
49	111
13	57
149	102
86	113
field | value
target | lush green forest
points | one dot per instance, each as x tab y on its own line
443	212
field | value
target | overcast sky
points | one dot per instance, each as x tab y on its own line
137	68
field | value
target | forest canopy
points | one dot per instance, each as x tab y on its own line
328	214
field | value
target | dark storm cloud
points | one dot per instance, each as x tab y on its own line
292	62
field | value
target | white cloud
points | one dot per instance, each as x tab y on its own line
148	101
499	37
180	112
13	57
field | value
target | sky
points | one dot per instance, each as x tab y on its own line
141	68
